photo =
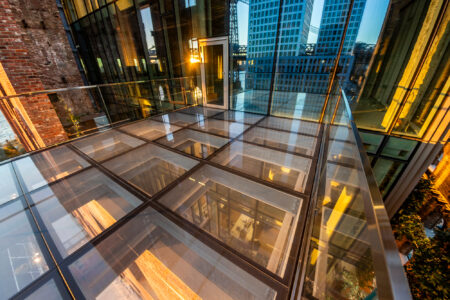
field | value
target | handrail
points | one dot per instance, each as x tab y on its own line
28	94
389	272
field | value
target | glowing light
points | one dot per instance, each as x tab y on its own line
338	210
37	258
271	174
194	59
314	255
285	170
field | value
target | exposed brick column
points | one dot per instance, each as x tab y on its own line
23	77
35	55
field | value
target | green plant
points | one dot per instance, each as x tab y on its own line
75	120
428	269
10	150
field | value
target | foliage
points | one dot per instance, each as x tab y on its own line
10	150
427	270
75	120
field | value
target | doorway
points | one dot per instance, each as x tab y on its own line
214	71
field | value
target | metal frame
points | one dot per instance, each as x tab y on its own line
280	284
391	279
225	58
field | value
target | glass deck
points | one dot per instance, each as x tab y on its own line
198	203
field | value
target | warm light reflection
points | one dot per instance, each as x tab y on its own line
338	210
93	217
314	255
194	59
164	283
285	170
271	174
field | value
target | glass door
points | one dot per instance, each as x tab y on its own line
214	71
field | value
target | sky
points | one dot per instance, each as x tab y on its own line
369	30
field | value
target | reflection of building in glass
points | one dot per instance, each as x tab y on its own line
262	34
404	95
299	70
332	26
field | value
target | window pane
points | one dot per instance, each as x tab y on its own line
255	220
223	128
44	167
152	258
287	141
252	45
238	116
53	289
296	126
79	208
106	145
198	110
371	141
150	168
270	165
180	119
8	184
21	257
386	172
399	148
195	143
149	129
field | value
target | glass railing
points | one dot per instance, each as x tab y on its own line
350	252
87	109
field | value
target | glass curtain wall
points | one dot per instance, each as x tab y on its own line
281	53
409	77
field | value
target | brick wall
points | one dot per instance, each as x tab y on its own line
35	54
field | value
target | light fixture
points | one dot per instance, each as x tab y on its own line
194	59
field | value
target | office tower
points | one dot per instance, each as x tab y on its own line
332	26
265	21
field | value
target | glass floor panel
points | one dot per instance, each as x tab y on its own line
270	165
199	110
107	144
128	217
78	208
150	167
179	119
44	167
239	116
152	258
253	219
8	184
223	128
341	133
286	141
193	142
22	257
297	126
343	152
52	289
149	129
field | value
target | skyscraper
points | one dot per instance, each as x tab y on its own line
332	25
262	36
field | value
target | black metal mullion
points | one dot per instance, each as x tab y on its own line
48	249
275	59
